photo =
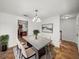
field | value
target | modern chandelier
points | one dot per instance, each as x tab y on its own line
36	17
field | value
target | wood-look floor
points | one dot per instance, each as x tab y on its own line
67	50
7	55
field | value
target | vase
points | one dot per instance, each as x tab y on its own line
4	47
35	36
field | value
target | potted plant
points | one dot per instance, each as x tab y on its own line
35	32
4	42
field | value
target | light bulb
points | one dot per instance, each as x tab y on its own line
34	19
38	20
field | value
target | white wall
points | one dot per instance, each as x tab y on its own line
77	23
78	42
55	36
32	26
68	27
8	25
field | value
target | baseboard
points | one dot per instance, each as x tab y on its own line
12	46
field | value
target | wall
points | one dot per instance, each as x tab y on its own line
32	26
8	25
68	27
78	42
55	36
77	23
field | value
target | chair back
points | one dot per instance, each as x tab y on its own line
24	53
20	46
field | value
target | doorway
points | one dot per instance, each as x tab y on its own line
22	28
68	28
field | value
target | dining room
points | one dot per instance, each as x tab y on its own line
39	29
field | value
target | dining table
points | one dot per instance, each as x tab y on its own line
39	45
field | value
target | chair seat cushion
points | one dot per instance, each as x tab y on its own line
25	46
30	52
22	43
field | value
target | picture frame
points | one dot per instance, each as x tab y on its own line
48	28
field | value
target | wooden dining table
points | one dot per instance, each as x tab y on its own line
38	44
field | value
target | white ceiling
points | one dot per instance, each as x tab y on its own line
47	8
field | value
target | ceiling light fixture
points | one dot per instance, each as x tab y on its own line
36	17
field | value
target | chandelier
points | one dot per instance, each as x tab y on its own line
36	17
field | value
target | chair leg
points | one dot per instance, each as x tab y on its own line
22	57
19	53
47	52
17	49
35	56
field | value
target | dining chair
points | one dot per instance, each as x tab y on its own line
27	53
25	45
18	49
19	43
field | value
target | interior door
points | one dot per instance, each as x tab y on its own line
68	28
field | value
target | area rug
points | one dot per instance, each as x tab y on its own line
17	55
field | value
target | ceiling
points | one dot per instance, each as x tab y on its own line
47	8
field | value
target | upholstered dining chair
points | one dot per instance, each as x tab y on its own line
25	53
28	53
18	48
23	43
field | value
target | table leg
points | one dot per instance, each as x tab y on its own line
37	52
48	54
